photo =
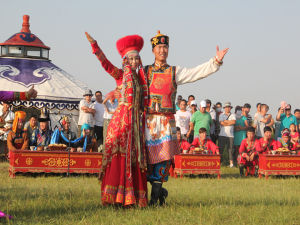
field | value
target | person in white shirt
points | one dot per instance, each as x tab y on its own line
98	116
191	99
226	136
183	118
86	111
110	104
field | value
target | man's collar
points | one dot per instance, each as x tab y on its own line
158	66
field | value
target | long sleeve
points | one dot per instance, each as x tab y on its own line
214	148
26	141
115	72
185	75
11	96
10	144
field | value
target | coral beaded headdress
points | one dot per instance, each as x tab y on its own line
130	43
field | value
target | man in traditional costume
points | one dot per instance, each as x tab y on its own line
17	138
248	156
41	137
66	135
160	131
266	144
204	143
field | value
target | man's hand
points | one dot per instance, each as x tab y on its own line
251	157
220	54
89	37
32	93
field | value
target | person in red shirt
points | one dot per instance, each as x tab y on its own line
266	144
204	143
184	145
248	156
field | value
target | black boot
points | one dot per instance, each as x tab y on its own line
155	192
256	171
162	196
242	167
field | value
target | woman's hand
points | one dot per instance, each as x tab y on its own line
220	54
32	93
89	37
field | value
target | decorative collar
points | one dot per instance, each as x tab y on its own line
161	67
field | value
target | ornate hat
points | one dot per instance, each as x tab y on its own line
285	132
44	117
130	43
19	115
159	39
65	120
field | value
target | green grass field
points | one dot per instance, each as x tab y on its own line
52	199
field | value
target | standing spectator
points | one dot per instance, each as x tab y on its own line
297	115
286	118
218	109
6	121
200	119
189	103
240	128
179	98
193	110
30	127
99	112
183	118
262	120
227	122
246	110
86	111
110	104
257	109
213	115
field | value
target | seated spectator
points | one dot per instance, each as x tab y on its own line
248	155
30	126
183	118
262	119
41	137
204	143
285	140
184	146
17	138
88	143
66	134
286	118
266	144
294	133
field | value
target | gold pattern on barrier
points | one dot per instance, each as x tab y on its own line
58	162
29	161
201	163
286	165
17	161
87	162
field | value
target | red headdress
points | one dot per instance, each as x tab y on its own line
130	43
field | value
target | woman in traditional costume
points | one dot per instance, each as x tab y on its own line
17	139
123	171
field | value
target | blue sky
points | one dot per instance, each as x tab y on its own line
263	37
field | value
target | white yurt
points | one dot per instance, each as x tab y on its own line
24	61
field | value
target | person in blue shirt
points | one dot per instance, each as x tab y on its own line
286	118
